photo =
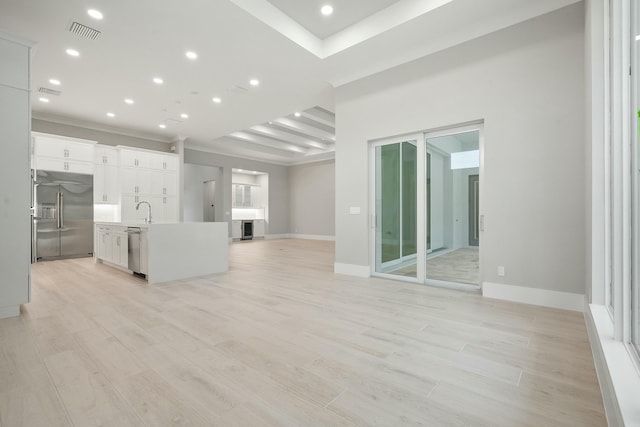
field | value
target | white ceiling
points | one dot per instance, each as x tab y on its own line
347	13
236	40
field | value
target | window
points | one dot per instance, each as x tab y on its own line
634	316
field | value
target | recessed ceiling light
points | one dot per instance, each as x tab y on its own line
326	10
73	52
129	101
111	115
158	80
184	115
254	172
162	126
217	100
254	82
296	114
191	55
95	14
45	100
54	82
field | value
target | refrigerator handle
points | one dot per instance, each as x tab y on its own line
61	211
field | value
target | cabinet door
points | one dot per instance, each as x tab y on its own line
99	193
258	228
79	151
170	209
49	147
167	162
111	184
157	183
128	208
108	247
100	243
256	196
119	249
236	229
105	156
134	158
135	181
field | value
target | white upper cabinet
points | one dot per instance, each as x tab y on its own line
63	154
105	175
152	177
168	162
135	181
105	155
134	158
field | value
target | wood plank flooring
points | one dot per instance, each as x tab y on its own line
281	340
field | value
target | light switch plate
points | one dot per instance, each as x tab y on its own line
354	210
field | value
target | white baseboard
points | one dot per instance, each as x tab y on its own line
352	270
276	236
312	237
600	332
11	311
543	297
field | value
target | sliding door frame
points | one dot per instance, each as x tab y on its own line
421	200
454	130
373	214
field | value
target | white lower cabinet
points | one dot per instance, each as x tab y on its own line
258	228
112	245
236	229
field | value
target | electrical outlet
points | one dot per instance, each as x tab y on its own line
500	271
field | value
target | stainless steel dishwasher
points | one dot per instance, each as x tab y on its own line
137	251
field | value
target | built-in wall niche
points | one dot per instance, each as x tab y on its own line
249	194
246	188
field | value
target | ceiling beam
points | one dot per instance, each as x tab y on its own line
287	137
305	128
268	142
319	116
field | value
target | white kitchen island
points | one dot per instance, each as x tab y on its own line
170	251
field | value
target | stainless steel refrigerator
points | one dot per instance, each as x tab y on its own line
63	221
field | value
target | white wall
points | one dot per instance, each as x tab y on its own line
312	197
15	193
527	84
194	178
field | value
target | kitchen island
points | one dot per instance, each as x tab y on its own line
164	252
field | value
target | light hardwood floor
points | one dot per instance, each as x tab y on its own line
282	340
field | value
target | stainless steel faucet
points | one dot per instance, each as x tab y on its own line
147	220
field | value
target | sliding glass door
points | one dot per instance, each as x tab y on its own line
426	207
453	203
396	208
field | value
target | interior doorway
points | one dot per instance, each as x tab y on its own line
209	201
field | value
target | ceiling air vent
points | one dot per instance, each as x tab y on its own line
238	90
48	91
84	31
